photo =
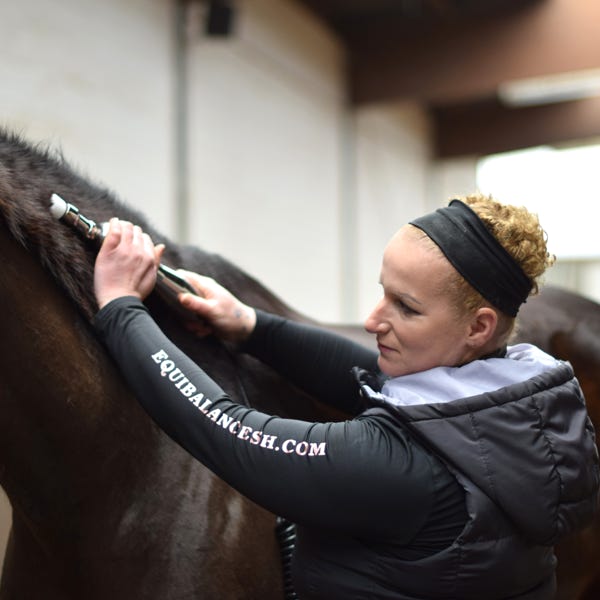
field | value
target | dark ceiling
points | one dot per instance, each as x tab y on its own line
346	16
451	55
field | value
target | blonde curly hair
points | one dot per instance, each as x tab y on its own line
520	233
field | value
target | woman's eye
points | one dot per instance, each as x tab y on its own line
405	308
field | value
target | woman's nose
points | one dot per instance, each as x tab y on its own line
375	322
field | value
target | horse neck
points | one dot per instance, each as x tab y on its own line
88	476
59	396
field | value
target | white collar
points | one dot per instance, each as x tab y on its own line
444	384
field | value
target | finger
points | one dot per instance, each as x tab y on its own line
137	236
199	282
115	226
189	277
149	248
112	237
126	233
159	250
196	304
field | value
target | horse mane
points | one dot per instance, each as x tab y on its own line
30	173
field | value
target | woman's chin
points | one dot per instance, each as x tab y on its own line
388	368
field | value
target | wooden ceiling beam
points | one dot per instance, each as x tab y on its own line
488	127
468	59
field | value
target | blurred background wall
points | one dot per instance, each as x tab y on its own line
293	137
245	144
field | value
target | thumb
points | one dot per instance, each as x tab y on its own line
197	304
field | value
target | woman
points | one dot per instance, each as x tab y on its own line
466	460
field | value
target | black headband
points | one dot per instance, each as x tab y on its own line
477	255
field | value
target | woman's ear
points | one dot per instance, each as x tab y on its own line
482	327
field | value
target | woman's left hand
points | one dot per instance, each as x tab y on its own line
126	264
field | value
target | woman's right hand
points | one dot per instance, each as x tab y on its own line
219	310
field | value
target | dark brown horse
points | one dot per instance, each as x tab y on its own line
104	504
568	326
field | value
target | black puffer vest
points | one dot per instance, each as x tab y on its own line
527	459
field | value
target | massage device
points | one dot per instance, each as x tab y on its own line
168	283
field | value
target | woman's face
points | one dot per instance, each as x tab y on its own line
415	324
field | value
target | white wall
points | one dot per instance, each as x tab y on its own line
450	178
265	154
94	78
392	145
271	185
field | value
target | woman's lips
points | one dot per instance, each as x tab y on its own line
383	349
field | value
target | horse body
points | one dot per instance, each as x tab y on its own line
567	326
104	504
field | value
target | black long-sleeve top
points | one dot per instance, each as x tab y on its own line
361	479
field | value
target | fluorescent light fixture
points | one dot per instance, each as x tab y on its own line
574	85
